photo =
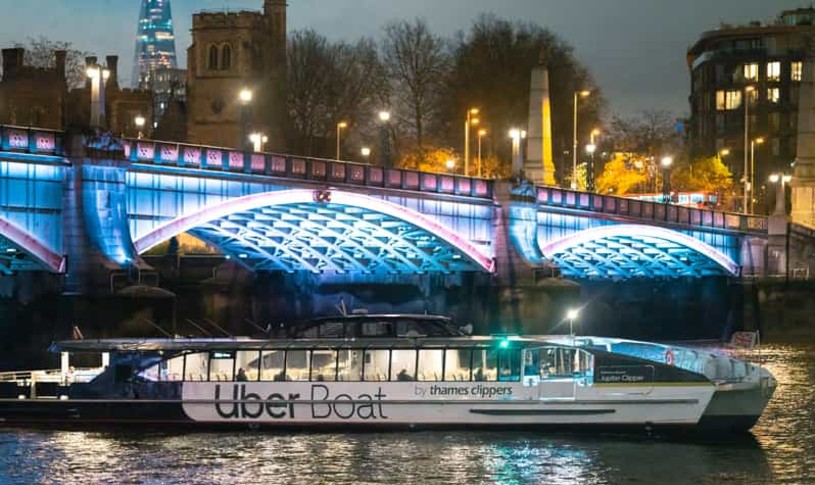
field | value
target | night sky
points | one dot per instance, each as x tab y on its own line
635	49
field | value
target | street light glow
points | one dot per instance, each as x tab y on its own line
139	120
365	151
342	124
245	96
590	149
384	116
474	111
584	93
482	132
667	161
774	178
515	134
451	164
759	140
724	152
573	313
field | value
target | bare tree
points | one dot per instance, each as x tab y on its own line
417	63
649	133
330	82
40	53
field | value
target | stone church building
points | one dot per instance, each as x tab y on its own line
231	52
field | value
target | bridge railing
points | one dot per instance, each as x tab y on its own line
30	140
301	168
651	211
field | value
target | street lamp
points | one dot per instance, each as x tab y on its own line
590	149
594	133
572	315
384	134
366	152
517	163
245	97
780	193
666	178
340	126
451	165
481	133
469	121
258	140
753	143
581	94
139	121
745	181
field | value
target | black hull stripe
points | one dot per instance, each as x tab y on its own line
541	412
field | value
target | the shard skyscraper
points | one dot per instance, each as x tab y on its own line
155	42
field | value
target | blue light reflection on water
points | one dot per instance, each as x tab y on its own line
781	452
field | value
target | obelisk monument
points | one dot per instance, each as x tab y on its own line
539	166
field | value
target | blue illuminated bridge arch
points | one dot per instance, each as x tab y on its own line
16	244
623	251
325	230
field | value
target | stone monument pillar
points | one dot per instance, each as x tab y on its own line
803	178
539	166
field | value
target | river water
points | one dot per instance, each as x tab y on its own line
781	450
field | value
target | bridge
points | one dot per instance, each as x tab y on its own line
85	207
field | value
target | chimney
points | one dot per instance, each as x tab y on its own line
113	67
60	57
12	61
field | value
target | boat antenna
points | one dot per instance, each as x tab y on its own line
76	333
250	322
341	307
199	328
157	327
219	328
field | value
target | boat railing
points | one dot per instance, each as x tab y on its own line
32	377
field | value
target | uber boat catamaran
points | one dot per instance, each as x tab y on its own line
389	371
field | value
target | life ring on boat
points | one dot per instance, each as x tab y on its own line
669	356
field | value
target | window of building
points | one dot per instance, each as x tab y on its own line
226	58
728	100
751	72
775	145
774	71
213	58
796	71
774	121
773	95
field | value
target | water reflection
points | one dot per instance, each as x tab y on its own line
781	451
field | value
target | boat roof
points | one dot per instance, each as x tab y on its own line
247	343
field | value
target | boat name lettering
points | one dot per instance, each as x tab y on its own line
479	390
625	374
249	405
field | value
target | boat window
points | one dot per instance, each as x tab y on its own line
560	362
332	329
197	366
508	364
348	365
376	365
271	365
484	365
403	365
248	361
375	329
297	365
221	365
430	365
323	365
457	364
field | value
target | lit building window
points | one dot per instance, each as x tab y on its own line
751	72
796	71
773	95
774	71
728	100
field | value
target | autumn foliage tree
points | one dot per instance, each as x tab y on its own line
623	174
706	174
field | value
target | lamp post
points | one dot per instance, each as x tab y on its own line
451	166
365	152
753	143
385	156
139	121
577	94
481	133
780	193
245	97
590	149
469	121
517	162
666	178
340	126
258	140
572	315
745	181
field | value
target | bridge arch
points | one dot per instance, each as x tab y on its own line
319	230
19	239
635	250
